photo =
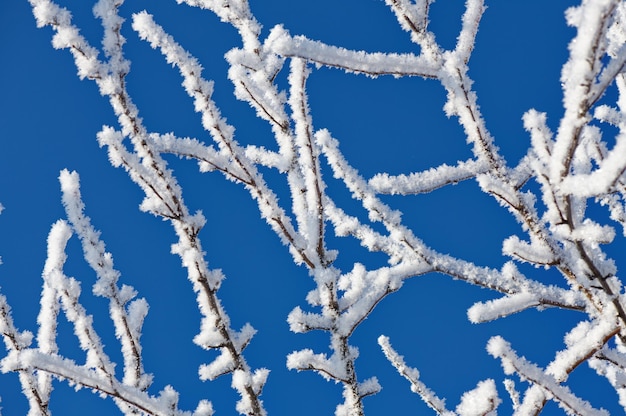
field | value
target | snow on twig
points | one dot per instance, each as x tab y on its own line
570	167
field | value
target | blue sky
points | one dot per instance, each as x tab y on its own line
49	120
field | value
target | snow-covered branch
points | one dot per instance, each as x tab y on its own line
511	363
373	64
413	376
554	194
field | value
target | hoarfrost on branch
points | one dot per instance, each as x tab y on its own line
546	192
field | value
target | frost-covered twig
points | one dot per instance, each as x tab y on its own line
612	365
66	292
164	405
61	293
163	194
546	382
127	314
570	167
413	376
483	400
36	390
427	181
373	64
232	158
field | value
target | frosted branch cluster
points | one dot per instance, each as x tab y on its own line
547	193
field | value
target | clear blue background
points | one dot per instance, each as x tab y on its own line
49	119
